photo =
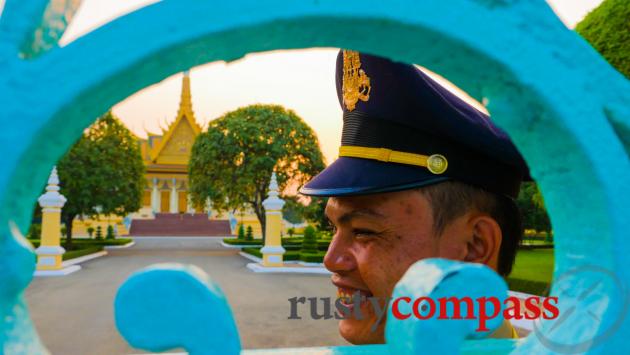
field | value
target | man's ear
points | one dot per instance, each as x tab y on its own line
483	246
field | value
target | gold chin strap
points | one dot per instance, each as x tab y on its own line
436	163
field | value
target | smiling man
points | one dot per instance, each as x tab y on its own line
421	174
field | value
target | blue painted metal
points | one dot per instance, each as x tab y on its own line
438	278
170	306
564	106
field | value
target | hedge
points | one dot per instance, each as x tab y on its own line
86	242
287	243
117	241
292	247
252	251
321	244
292	241
83	247
316	257
233	241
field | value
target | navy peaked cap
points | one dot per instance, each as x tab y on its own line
402	129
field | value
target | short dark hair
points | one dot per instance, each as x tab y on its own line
452	199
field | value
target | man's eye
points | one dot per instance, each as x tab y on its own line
364	232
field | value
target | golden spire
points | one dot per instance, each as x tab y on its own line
185	113
185	103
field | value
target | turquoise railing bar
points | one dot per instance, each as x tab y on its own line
565	107
169	306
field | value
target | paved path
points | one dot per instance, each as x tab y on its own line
74	314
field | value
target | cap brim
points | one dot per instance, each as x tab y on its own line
355	176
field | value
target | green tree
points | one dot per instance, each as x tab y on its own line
531	204
293	210
309	245
311	209
232	162
103	172
607	29
314	212
99	233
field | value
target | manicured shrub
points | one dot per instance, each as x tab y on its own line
90	231
241	231
309	245
249	235
99	233
291	232
110	232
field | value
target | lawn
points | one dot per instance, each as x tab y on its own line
533	264
532	271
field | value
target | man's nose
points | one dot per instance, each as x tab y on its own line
339	257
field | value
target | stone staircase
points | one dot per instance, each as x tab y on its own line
175	224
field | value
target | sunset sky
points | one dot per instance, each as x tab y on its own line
299	80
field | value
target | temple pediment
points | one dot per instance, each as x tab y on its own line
175	146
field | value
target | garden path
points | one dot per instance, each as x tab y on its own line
74	314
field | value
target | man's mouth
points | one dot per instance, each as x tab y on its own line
350	297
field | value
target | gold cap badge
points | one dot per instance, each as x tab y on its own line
356	84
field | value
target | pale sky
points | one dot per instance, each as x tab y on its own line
301	80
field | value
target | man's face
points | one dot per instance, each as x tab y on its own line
378	237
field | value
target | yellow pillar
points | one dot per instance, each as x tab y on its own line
50	251
273	250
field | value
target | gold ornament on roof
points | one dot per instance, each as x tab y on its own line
356	84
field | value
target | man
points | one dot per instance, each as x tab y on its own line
421	174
